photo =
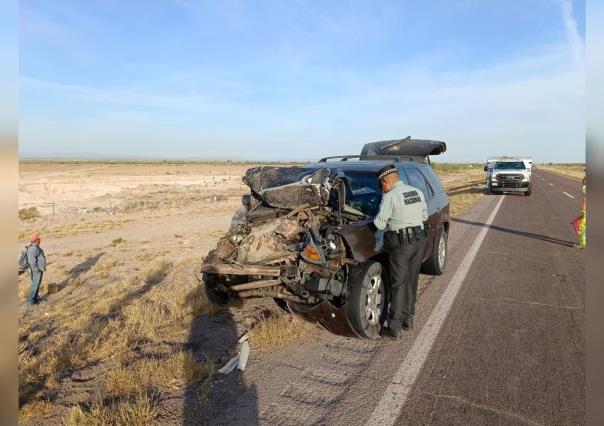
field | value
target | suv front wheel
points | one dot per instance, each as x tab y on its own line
367	299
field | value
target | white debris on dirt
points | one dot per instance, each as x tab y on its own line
230	366
239	361
244	354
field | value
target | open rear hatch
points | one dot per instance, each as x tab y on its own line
405	147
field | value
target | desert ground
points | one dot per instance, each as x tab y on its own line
124	333
576	171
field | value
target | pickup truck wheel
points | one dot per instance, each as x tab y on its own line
528	193
437	262
367	299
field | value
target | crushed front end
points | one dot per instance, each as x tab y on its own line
285	243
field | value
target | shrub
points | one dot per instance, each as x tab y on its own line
28	213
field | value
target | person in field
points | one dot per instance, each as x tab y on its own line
37	266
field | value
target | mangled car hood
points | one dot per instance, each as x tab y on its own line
289	187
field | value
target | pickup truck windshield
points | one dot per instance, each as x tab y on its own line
510	165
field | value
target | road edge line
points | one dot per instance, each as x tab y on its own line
396	394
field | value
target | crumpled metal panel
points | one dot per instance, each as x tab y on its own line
261	178
295	194
289	187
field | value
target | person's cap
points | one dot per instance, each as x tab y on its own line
34	237
385	171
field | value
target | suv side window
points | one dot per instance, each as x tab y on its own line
417	180
432	179
402	174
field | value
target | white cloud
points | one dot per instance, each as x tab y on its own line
574	38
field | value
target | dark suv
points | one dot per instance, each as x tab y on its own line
303	236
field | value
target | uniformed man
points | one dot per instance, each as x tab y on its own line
402	214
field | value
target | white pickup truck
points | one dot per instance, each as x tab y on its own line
509	174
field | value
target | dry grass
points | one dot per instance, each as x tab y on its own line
459	203
144	375
279	331
149	311
102	270
28	213
138	411
117	241
36	409
463	189
83	227
573	170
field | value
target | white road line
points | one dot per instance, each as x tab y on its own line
393	400
551	184
567	194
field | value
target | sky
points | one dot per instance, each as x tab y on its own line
290	80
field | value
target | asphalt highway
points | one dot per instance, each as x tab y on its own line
512	348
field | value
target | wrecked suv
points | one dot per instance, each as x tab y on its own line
304	237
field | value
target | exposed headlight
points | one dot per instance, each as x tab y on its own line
311	252
236	238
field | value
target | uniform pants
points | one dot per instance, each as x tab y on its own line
36	280
404	261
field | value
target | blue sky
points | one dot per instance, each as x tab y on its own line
301	79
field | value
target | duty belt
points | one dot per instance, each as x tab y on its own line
410	233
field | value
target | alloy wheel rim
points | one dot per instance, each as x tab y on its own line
442	251
373	299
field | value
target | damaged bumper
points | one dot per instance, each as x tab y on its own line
333	319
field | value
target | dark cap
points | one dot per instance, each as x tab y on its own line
384	171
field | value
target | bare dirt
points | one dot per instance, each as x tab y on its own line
123	242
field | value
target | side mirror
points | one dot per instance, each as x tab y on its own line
486	168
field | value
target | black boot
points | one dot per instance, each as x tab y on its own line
394	329
408	323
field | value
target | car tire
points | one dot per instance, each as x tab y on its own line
528	193
437	262
281	303
367	299
215	296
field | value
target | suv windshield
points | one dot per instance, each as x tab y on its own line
510	165
363	191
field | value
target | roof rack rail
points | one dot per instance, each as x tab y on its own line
395	158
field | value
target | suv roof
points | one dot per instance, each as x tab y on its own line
364	165
396	150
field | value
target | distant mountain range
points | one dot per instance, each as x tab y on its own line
105	157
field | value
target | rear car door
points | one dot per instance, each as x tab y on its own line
418	180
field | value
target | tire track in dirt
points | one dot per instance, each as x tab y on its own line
307	400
